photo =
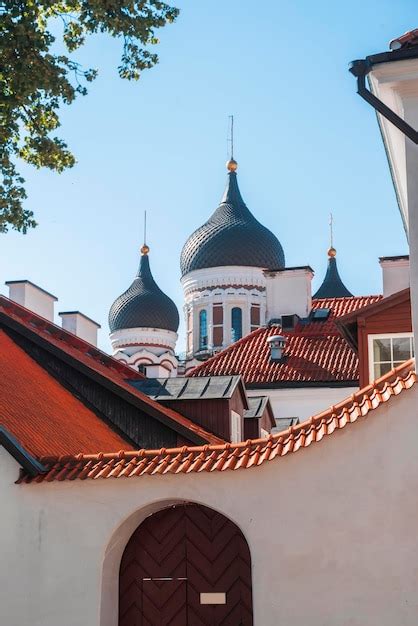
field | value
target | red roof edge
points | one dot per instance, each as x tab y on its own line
103	365
230	456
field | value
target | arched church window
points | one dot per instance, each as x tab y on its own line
236	323
203	330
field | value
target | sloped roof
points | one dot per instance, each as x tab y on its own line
245	455
91	361
257	406
348	323
41	414
316	351
184	388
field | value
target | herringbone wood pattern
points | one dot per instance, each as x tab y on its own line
172	558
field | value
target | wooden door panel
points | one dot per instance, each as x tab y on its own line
193	543
164	603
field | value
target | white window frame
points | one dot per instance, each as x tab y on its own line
371	338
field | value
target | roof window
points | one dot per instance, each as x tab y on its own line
320	315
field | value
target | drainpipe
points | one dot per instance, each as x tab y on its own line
360	69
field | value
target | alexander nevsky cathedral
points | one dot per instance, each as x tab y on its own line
223	264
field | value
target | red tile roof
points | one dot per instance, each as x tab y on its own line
42	415
251	453
105	366
316	351
407	40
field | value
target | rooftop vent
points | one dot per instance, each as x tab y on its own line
289	321
277	344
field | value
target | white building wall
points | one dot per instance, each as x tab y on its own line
228	287
302	402
331	531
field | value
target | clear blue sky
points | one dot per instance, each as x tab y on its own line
305	142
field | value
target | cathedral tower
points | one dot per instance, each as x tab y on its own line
143	325
222	266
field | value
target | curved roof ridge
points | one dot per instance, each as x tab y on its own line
231	456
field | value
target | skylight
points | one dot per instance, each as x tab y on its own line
320	315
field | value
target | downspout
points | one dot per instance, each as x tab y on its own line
360	69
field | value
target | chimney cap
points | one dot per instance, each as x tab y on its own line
63	313
277	338
29	282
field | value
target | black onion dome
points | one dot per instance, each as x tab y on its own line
231	236
332	285
143	305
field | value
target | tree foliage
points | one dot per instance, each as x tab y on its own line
35	81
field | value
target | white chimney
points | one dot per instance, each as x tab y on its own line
80	325
32	297
395	271
289	292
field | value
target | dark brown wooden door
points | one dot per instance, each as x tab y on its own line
173	558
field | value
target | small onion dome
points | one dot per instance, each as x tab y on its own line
332	285
231	236
143	305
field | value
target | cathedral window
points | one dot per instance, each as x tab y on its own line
203	330
236	323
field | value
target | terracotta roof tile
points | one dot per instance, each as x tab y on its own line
407	40
95	360
43	416
244	455
316	351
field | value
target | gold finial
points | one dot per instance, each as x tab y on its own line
332	252
231	165
144	249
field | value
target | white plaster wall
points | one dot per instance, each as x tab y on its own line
288	292
332	532
303	402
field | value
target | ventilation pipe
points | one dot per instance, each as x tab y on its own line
277	345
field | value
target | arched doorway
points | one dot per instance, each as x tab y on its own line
186	566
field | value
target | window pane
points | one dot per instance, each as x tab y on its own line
381	368
381	350
401	348
236	323
203	330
